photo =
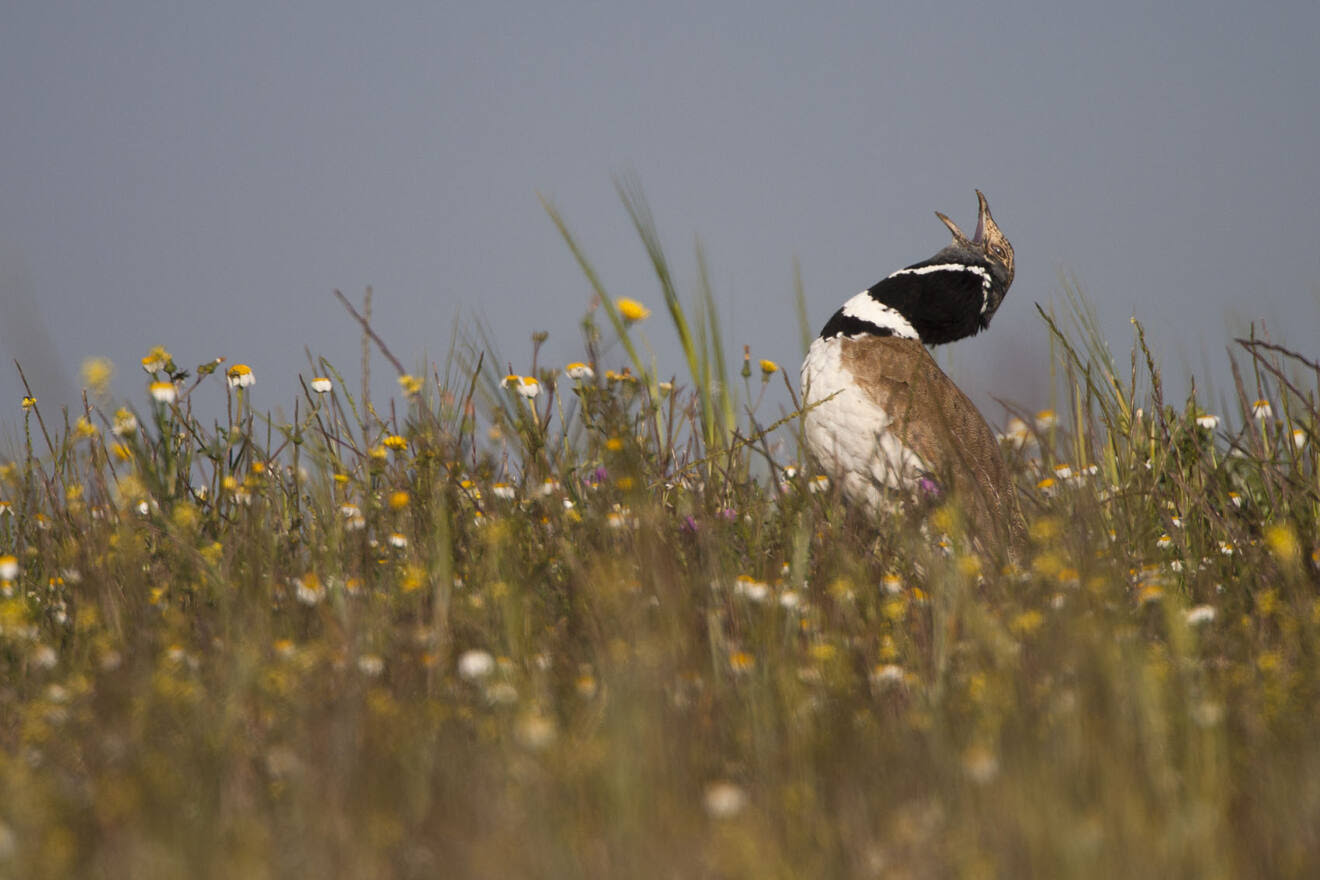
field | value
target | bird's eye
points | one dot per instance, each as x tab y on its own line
999	252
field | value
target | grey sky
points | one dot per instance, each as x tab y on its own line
202	175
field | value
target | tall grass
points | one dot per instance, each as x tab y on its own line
618	628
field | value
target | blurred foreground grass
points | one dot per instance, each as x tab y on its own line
585	622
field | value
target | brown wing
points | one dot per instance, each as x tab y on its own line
939	423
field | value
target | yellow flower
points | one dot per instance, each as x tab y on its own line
741	661
8	568
157	359
399	499
29	402
163	392
410	384
96	373
395	442
1284	544
527	386
240	376
321	384
125	422
581	371
768	368
1046	419
631	309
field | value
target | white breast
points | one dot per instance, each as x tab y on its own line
848	433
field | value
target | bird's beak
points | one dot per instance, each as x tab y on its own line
984	222
958	237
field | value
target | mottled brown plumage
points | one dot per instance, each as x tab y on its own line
936	421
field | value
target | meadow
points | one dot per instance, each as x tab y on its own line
605	620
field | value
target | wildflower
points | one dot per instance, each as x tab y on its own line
1226	548
819	483
534	731
750	588
1235	498
580	371
526	386
125	423
631	310
1299	438
1063	471
475	665
768	368
891	584
1164	543
44	657
241	376
308	589
399	499
410	384
1261	410
1207	421
395	442
1199	614
586	685
8	568
370	665
96	373
1046	486
1283	544
1148	592
741	661
84	428
163	392
321	384
398	540
887	674
503	491
548	487
353	514
1027	622
1016	433
724	800
157	359
29	401
1046	419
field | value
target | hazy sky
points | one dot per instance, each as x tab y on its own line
203	175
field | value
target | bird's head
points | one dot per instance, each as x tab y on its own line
988	243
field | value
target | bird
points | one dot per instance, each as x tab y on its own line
881	417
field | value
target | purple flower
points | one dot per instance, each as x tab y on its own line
689	524
929	488
728	514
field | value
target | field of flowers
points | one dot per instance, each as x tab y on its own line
587	622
